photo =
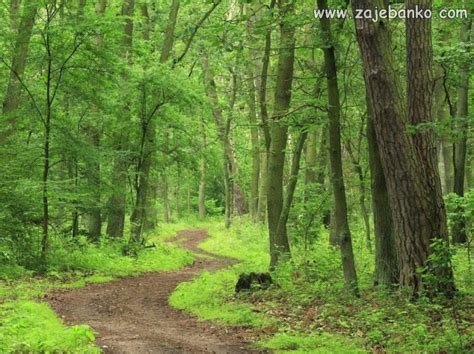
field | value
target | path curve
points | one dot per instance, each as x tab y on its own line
132	315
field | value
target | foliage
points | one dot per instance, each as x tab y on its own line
27	326
309	304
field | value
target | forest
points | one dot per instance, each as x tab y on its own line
236	176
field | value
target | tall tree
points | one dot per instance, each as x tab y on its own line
413	207
17	68
340	222
117	202
460	147
279	245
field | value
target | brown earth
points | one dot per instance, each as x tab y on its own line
132	314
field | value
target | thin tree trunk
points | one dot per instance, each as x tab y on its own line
279	245
93	165
460	147
233	192
341	223
202	173
262	102
254	185
291	187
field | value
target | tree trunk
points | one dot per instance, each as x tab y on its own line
409	195
117	202
93	177
262	102
254	186
202	172
166	199
233	192
14	12
386	262
341	224
460	147
279	246
293	179
12	98
93	164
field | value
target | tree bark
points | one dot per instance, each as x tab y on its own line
279	245
341	224
387	270
117	202
12	98
410	197
254	185
262	102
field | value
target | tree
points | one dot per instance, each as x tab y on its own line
460	148
117	202
279	245
414	208
11	101
340	222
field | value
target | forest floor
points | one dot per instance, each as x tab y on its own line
132	314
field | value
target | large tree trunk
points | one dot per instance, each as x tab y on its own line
340	222
413	207
12	98
460	147
117	202
420	105
279	246
386	262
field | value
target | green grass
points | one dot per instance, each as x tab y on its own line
310	308
27	326
30	326
321	343
210	296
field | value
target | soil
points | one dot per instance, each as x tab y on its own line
132	314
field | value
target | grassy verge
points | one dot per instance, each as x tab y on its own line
28	325
309	310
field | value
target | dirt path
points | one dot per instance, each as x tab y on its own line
132	315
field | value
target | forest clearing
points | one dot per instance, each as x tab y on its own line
236	176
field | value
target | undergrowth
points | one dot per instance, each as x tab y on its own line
30	326
308	310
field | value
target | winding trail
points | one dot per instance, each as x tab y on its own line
132	315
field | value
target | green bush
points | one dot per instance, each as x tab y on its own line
27	326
